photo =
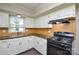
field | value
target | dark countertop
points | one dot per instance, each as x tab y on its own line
20	36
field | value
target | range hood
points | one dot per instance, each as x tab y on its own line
63	20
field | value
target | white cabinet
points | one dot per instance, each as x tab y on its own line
4	47
4	19
29	22
68	11
40	45
15	46
18	45
42	21
21	44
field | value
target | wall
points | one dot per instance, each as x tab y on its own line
29	31
76	42
3	32
43	31
69	27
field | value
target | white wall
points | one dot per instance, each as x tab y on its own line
4	19
76	42
67	11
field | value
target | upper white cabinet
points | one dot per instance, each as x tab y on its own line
42	21
64	12
29	22
4	19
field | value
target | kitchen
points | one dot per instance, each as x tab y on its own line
35	28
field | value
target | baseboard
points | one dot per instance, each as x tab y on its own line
29	50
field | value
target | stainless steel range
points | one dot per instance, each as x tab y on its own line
60	44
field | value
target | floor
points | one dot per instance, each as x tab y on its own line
30	52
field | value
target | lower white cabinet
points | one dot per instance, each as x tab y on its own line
40	45
4	47
15	46
18	45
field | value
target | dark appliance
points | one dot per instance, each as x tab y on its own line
60	44
63	20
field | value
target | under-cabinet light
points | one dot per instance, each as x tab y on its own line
58	22
18	15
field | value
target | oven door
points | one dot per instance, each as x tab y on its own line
53	50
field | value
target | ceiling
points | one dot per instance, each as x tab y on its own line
27	9
30	6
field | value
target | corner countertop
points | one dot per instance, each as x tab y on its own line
20	36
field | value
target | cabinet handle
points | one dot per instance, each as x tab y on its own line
20	43
8	45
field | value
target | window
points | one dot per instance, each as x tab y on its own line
16	24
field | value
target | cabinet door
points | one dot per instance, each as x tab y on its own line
20	45
4	47
28	22
40	45
15	46
4	19
8	47
42	21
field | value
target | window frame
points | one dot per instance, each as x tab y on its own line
15	25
